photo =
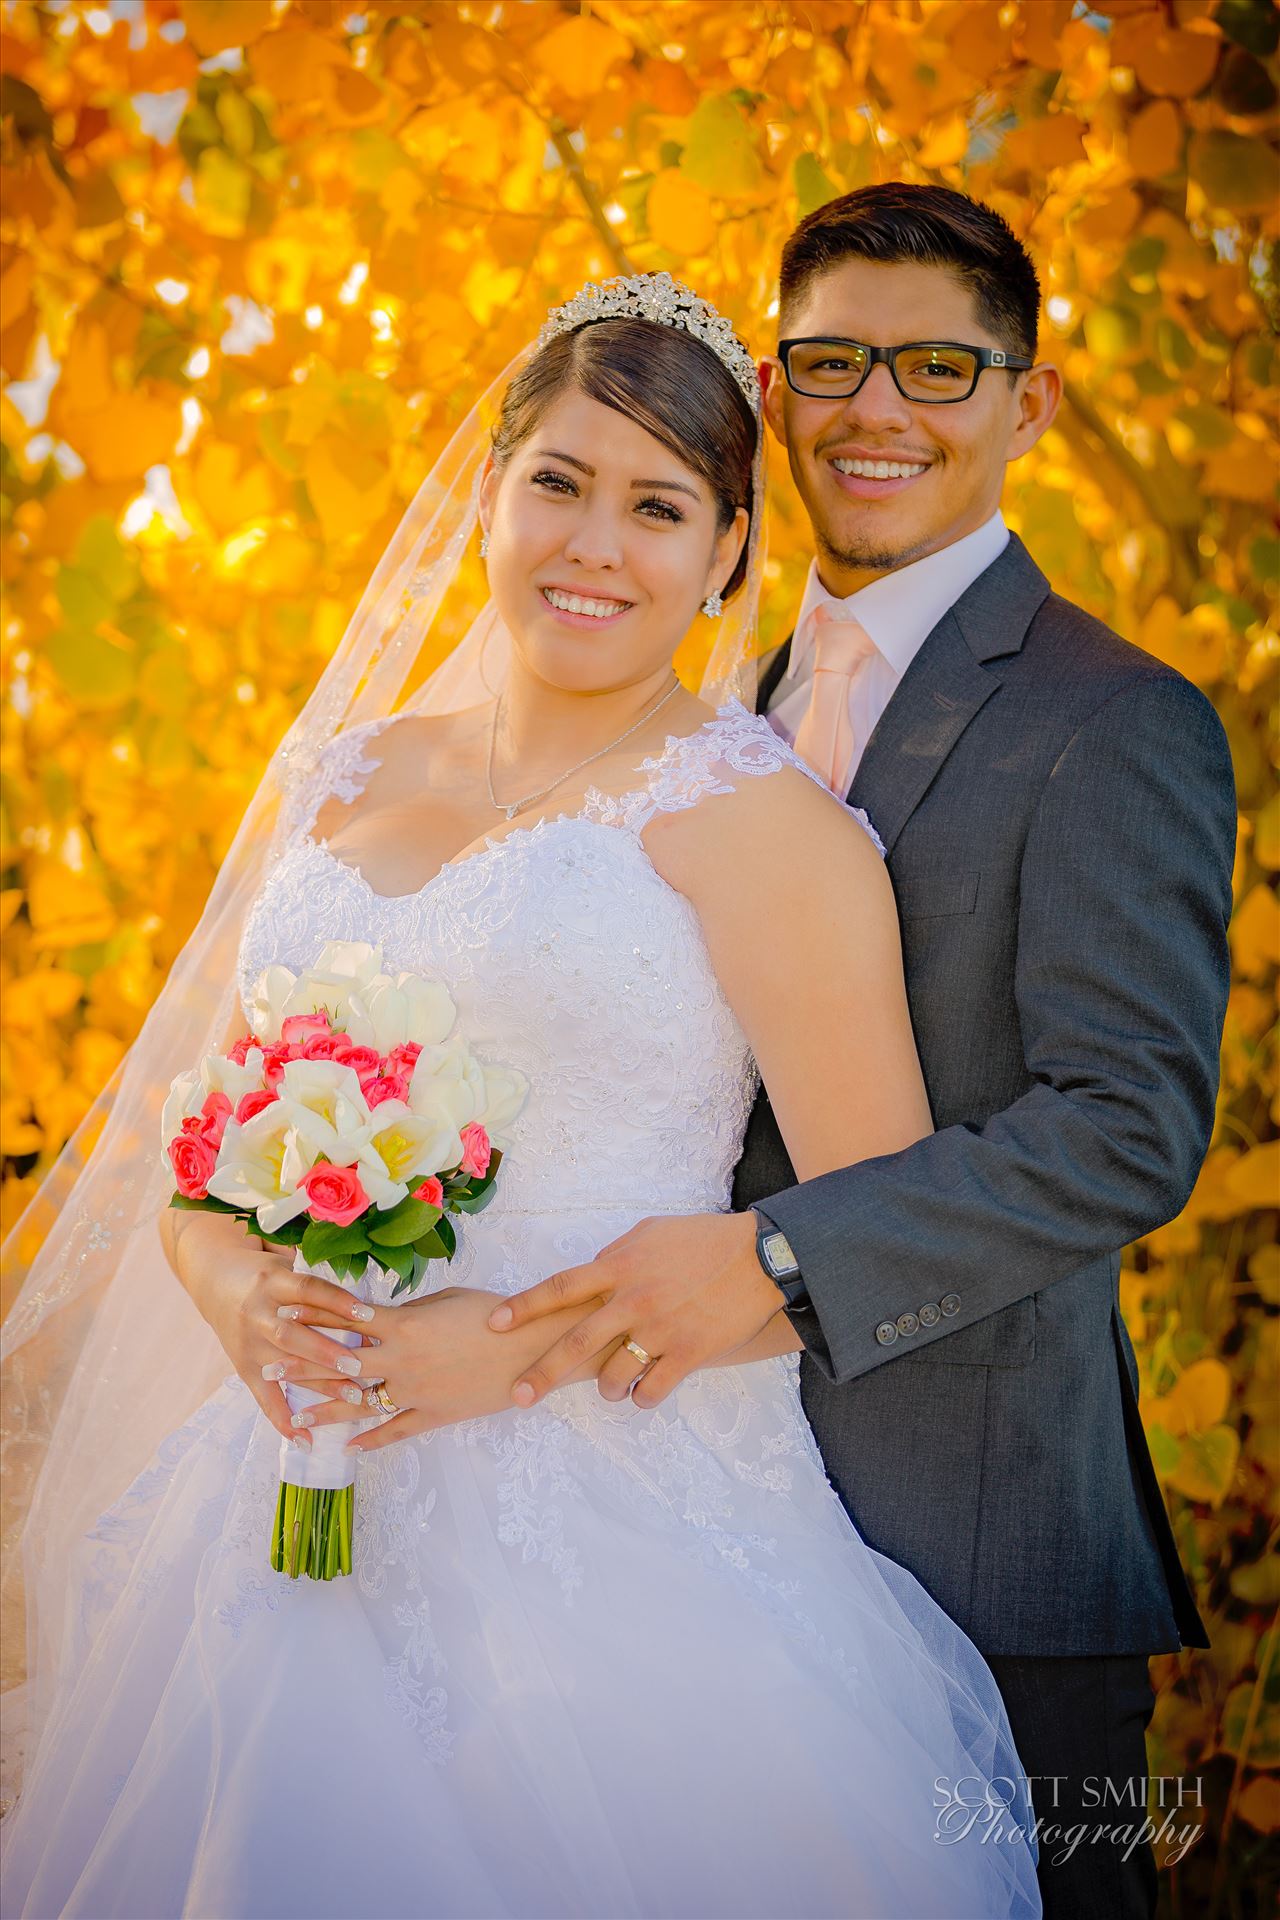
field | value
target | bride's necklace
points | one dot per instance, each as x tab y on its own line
527	800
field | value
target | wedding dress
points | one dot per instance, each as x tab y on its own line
593	1660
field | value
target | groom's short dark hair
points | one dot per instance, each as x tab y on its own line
933	226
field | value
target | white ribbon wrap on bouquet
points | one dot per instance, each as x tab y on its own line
324	1464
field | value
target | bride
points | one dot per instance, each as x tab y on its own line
594	1658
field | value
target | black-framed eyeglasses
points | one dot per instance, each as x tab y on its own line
938	372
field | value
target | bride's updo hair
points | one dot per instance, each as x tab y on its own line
665	380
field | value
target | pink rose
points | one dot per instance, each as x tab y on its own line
240	1052
254	1103
476	1150
193	1159
214	1116
404	1058
431	1191
301	1027
323	1046
364	1062
274	1061
334	1193
392	1086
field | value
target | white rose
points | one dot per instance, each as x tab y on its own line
220	1075
405	1146
448	1079
259	1166
505	1092
330	1092
185	1096
387	1012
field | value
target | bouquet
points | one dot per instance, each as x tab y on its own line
350	1124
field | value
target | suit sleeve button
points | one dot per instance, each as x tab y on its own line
886	1333
908	1323
929	1314
950	1303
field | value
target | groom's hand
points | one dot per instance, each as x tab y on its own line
687	1289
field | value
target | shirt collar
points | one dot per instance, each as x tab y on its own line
901	609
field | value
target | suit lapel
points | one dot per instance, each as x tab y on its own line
950	679
774	667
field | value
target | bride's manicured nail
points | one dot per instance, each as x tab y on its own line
274	1371
302	1441
347	1364
303	1420
499	1318
353	1395
361	1312
288	1313
524	1394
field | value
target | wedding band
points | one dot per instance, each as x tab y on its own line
385	1401
639	1352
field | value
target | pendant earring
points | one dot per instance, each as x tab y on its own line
713	605
484	545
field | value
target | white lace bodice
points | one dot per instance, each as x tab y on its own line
569	957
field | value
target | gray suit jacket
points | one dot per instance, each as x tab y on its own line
1059	813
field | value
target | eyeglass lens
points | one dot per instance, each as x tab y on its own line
928	371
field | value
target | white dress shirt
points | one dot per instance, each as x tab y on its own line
899	611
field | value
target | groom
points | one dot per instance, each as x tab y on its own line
1059	816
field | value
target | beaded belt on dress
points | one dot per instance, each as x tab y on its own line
646	1207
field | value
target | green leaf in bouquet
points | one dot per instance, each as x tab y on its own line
289	1235
474	1202
210	1204
404	1224
430	1246
322	1240
397	1260
449	1239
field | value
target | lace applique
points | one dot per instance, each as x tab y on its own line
341	768
694	765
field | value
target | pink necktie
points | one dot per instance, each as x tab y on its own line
841	649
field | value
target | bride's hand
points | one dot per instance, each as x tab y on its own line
263	1313
442	1362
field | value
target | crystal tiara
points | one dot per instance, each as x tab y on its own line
657	297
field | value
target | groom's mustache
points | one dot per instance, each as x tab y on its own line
839	444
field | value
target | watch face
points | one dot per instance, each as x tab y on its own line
779	1258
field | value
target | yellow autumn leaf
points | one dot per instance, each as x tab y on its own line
30	1003
1246	470
1206	1465
720	150
120	441
67	909
1255	932
1259	1804
1170	61
1198	1399
579	54
350	488
680	214
95	1055
947	144
1155	138
1255	1177
228	493
215	25
1264	1272
295	64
